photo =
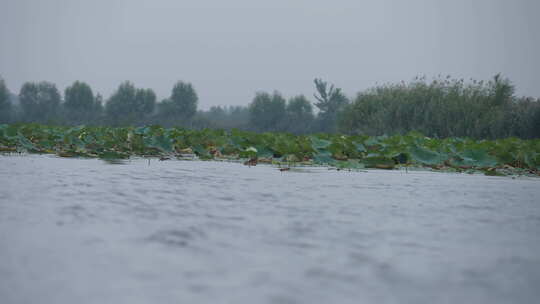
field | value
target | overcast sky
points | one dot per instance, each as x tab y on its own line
231	49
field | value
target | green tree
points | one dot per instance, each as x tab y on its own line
5	103
444	107
130	106
98	109
267	112
330	101
216	113
79	103
535	129
299	113
231	117
238	116
502	90
40	102
181	106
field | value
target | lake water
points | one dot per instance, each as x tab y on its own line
88	231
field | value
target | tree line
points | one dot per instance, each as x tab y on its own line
443	107
43	103
128	105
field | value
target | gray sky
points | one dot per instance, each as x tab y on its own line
231	49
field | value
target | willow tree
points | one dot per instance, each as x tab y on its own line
180	107
130	105
330	101
267	112
5	103
299	115
40	102
80	104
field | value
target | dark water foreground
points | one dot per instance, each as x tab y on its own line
86	231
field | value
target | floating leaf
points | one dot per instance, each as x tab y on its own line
27	144
159	142
379	162
342	151
360	147
319	144
372	141
350	164
323	158
427	157
475	158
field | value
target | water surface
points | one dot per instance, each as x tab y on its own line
87	231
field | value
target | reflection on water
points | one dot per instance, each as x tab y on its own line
112	161
83	231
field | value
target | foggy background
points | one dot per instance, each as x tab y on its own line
231	49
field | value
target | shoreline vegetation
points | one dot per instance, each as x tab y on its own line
509	156
442	124
442	107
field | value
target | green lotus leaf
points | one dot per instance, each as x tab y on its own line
360	147
142	130
160	142
263	151
372	141
27	144
202	152
350	164
475	158
342	151
323	158
379	162
427	157
319	144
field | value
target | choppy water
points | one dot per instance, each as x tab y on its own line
85	231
